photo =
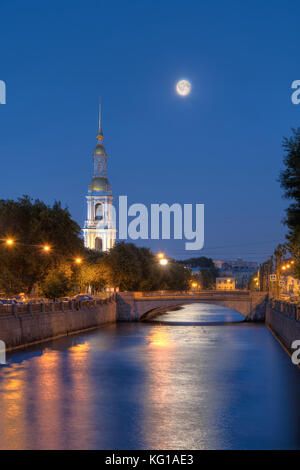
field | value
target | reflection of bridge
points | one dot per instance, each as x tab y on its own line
143	305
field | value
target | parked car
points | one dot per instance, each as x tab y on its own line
8	301
84	297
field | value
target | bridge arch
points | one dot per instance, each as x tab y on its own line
241	308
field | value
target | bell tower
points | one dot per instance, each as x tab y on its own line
99	229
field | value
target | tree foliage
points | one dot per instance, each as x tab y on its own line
207	271
32	224
56	284
290	182
134	269
94	274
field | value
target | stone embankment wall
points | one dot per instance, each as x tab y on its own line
284	320
19	329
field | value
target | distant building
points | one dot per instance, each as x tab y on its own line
218	263
225	283
238	263
239	269
99	229
195	271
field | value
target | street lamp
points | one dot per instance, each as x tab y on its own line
163	261
160	255
9	242
46	248
78	260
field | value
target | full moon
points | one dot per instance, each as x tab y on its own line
183	87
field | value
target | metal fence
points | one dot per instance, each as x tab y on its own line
291	310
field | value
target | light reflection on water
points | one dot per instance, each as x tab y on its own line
154	385
199	313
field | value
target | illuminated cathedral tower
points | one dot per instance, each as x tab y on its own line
99	228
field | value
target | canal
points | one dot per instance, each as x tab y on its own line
193	378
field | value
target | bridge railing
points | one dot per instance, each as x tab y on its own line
202	293
49	307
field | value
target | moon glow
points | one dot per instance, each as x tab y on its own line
183	87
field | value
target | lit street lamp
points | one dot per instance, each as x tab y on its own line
9	242
163	261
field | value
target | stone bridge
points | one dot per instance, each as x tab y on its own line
135	306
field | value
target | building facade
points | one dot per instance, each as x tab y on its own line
100	226
241	270
225	283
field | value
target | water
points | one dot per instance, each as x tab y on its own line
185	384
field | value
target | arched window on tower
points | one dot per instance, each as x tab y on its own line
99	211
98	244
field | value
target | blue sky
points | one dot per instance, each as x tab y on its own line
220	146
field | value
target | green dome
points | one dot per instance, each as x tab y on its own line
100	183
100	150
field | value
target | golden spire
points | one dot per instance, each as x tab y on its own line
100	133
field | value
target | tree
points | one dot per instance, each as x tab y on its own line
207	270
290	182
125	262
56	284
199	262
31	225
94	275
208	278
272	266
137	269
174	276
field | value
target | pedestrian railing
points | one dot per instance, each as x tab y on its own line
49	307
202	293
291	310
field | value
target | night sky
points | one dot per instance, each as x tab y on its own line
220	146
